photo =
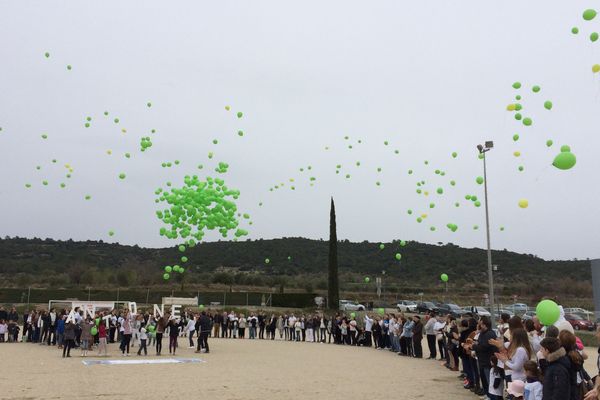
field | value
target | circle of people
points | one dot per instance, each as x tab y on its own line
516	359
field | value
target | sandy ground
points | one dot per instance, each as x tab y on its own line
234	369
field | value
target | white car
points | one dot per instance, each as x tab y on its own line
407	306
348	305
580	311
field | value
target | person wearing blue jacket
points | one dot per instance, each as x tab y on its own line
60	331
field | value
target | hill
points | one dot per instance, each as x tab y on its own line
63	264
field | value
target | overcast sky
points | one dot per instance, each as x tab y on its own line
428	77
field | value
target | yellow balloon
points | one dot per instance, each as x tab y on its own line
227	108
523	203
511	107
423	215
517	153
109	152
596	68
426	193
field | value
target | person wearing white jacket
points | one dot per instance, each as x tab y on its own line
191	328
368	330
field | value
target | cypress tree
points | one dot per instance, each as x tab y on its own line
333	289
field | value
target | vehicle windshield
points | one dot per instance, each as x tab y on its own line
575	317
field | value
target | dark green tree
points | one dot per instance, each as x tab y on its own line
333	287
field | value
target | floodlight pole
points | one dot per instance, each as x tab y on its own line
487	228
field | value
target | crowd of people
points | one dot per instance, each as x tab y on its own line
511	358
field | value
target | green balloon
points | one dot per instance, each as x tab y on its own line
515	137
444	278
419	219
594	36
367	279
475	227
479	180
201	306
381	246
69	67
452	183
518	116
527	121
184	259
168	269
477	203
431	205
548	105
549	143
547	312
565	148
166	276
574	30
47	55
240	114
94	331
398	256
440	190
454	154
535	89
409	212
521	168
381	311
267	261
589	14
151	328
352	315
111	233
516	85
121	176
564	160
181	248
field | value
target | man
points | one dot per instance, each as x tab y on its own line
430	332
203	329
13	315
484	351
417	337
368	330
51	339
291	325
262	323
218	320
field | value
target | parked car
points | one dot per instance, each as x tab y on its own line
518	308
528	315
582	312
426	306
407	306
579	323
482	312
348	305
451	309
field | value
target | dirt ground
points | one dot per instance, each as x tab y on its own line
234	369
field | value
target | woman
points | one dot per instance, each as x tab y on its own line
86	336
102	338
161	325
466	328
518	352
69	339
126	327
580	379
173	326
242	326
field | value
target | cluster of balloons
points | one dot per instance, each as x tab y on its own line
222	168
145	142
565	159
168	270
199	206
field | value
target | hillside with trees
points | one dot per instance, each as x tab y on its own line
295	264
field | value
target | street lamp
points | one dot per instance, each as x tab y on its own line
482	150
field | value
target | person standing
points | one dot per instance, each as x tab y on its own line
280	327
143	340
191	328
203	327
173	326
430	333
161	325
69	339
417	337
262	323
217	321
102	347
557	376
484	351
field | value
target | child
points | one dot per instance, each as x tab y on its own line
516	389
496	383
102	339
86	336
173	334
3	330
143	340
13	331
533	387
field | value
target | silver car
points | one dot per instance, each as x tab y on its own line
407	306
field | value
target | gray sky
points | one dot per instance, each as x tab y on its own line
429	77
